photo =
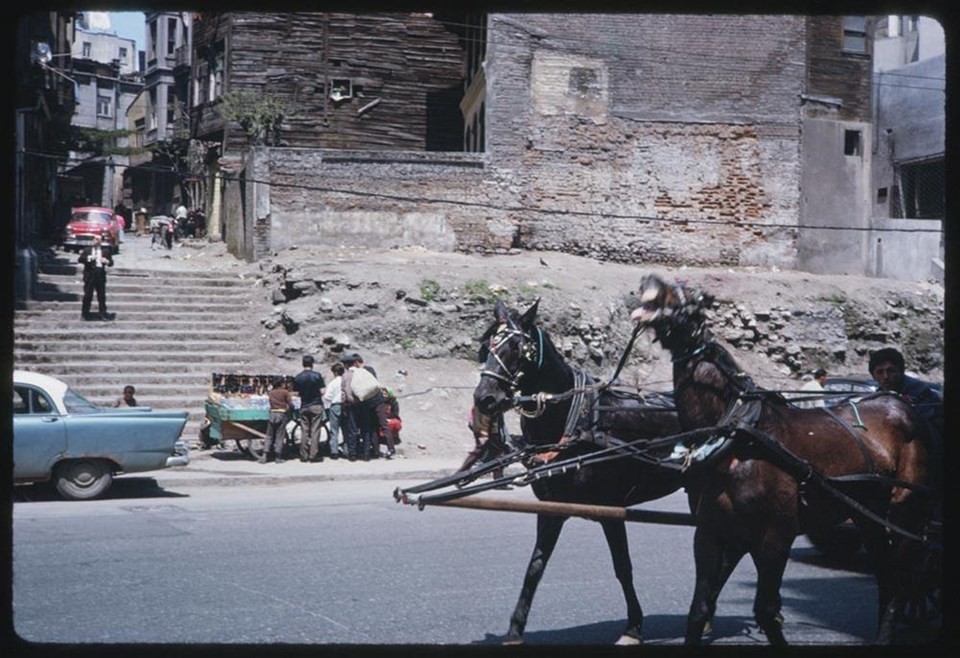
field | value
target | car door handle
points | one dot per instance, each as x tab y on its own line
49	419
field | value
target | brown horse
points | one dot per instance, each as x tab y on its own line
523	360
767	488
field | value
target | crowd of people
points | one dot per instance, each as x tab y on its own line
359	413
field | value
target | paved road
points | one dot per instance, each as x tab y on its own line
338	561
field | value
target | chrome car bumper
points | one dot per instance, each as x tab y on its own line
180	456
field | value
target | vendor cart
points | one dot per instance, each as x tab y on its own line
247	426
233	415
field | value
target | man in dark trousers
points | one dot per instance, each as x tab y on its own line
310	386
95	260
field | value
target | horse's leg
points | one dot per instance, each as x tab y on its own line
548	531
771	561
714	563
616	534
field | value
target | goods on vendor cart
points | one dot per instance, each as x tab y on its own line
237	408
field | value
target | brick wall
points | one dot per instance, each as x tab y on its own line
631	137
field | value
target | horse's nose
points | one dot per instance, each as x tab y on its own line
486	403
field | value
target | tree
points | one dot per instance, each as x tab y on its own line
260	116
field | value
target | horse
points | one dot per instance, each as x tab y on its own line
767	487
522	359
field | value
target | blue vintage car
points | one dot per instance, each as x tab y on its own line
59	435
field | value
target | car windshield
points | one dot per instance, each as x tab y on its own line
77	404
88	216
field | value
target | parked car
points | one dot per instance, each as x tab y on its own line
89	221
60	436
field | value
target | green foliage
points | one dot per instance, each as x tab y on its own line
429	290
260	115
481	291
99	142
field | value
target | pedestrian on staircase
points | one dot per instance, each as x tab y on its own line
95	260
281	404
128	398
309	385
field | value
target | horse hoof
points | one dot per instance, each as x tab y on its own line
628	641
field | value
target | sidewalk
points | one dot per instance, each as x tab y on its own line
226	467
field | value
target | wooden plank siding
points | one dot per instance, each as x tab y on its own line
412	63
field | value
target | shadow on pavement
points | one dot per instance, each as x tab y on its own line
125	487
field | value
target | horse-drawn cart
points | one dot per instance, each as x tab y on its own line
595	452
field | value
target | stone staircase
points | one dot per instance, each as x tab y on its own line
172	330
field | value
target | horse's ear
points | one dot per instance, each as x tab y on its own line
500	311
530	315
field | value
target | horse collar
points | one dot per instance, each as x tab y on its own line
690	355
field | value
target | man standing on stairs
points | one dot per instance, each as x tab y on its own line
309	385
95	260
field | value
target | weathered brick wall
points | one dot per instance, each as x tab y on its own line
651	137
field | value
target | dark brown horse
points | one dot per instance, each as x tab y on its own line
523	360
758	498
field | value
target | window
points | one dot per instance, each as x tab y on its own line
855	34
86	49
851	142
123	54
104	106
152	110
215	88
27	400
171	35
921	190
152	41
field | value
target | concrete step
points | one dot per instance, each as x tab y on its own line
106	365
128	275
239	359
129	283
166	299
112	330
66	324
70	302
125	343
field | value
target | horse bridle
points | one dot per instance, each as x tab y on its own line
528	352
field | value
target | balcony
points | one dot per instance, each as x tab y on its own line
181	56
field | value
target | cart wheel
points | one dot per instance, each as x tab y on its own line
251	447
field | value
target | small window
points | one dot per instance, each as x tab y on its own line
86	49
123	54
855	35
341	89
882	195
851	142
104	106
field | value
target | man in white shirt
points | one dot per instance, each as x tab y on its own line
333	402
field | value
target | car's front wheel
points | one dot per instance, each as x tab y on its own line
83	479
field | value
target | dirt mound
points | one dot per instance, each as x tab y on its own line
416	315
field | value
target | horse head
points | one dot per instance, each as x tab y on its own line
509	351
676	312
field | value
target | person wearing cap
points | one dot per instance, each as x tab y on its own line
309	385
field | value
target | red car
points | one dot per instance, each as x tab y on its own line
89	221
